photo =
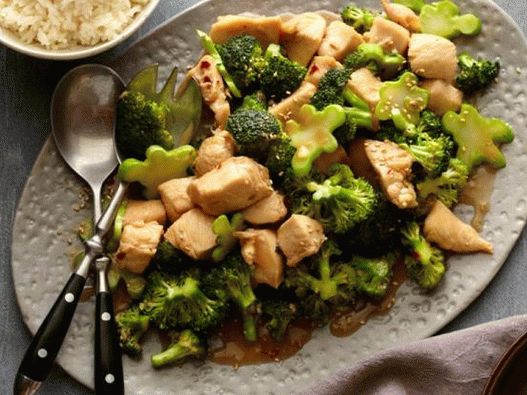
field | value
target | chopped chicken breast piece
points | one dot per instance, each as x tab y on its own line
449	232
175	197
402	15
213	90
324	162
238	183
393	166
432	56
301	36
269	210
138	245
444	96
213	151
319	66
289	107
299	237
265	29
192	234
389	35
366	85
339	41
258	247
146	211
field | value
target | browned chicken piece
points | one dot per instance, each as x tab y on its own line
289	107
192	234
319	66
449	232
138	245
432	56
324	162
269	210
360	164
402	15
340	40
175	197
299	237
444	96
258	247
301	36
366	85
389	35
238	183
265	29
146	211
393	166
213	90
213	151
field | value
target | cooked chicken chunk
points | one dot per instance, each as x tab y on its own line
289	107
340	40
138	245
259	249
402	15
319	66
269	210
449	232
238	183
213	90
265	29
299	237
324	162
389	35
365	85
444	96
432	56
146	211
360	164
175	197
393	166
213	151
192	234
302	35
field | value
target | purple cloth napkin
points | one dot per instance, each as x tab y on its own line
454	363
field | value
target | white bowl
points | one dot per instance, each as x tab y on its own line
11	40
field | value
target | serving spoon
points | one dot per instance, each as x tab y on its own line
83	123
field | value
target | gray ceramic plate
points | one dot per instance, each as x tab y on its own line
46	219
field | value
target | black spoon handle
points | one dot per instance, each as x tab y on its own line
108	362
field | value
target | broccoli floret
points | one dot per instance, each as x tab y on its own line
231	282
373	275
341	201
431	124
183	345
359	18
280	313
279	157
475	74
172	301
373	57
131	326
414	5
356	118
253	130
433	154
169	259
224	230
254	101
447	186
442	18
241	56
424	262
330	89
278	75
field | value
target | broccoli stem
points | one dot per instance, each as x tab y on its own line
249	326
170	355
355	100
361	117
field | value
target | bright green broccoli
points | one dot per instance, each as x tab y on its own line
224	230
475	74
279	76
253	130
424	262
241	56
177	301
254	101
372	56
134	283
330	89
373	275
477	136
356	118
183	345
430	124
279	157
118	225
414	5
447	186
359	18
169	259
231	282
131	326
280	313
433	154
443	19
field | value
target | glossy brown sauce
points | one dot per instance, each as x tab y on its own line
477	194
